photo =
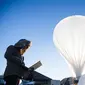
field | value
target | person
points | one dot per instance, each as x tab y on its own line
67	82
75	82
15	62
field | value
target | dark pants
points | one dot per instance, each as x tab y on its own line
12	80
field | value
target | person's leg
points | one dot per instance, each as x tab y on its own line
12	80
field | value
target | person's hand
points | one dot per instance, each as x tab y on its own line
28	75
31	69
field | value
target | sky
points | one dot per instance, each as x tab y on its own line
35	20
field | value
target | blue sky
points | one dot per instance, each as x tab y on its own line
35	20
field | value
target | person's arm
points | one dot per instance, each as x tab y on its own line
9	56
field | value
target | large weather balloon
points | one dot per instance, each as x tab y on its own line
69	38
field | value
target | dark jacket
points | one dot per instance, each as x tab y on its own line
15	63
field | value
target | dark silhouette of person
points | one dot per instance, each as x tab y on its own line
67	82
75	82
15	62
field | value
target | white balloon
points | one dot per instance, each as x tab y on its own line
69	38
82	80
